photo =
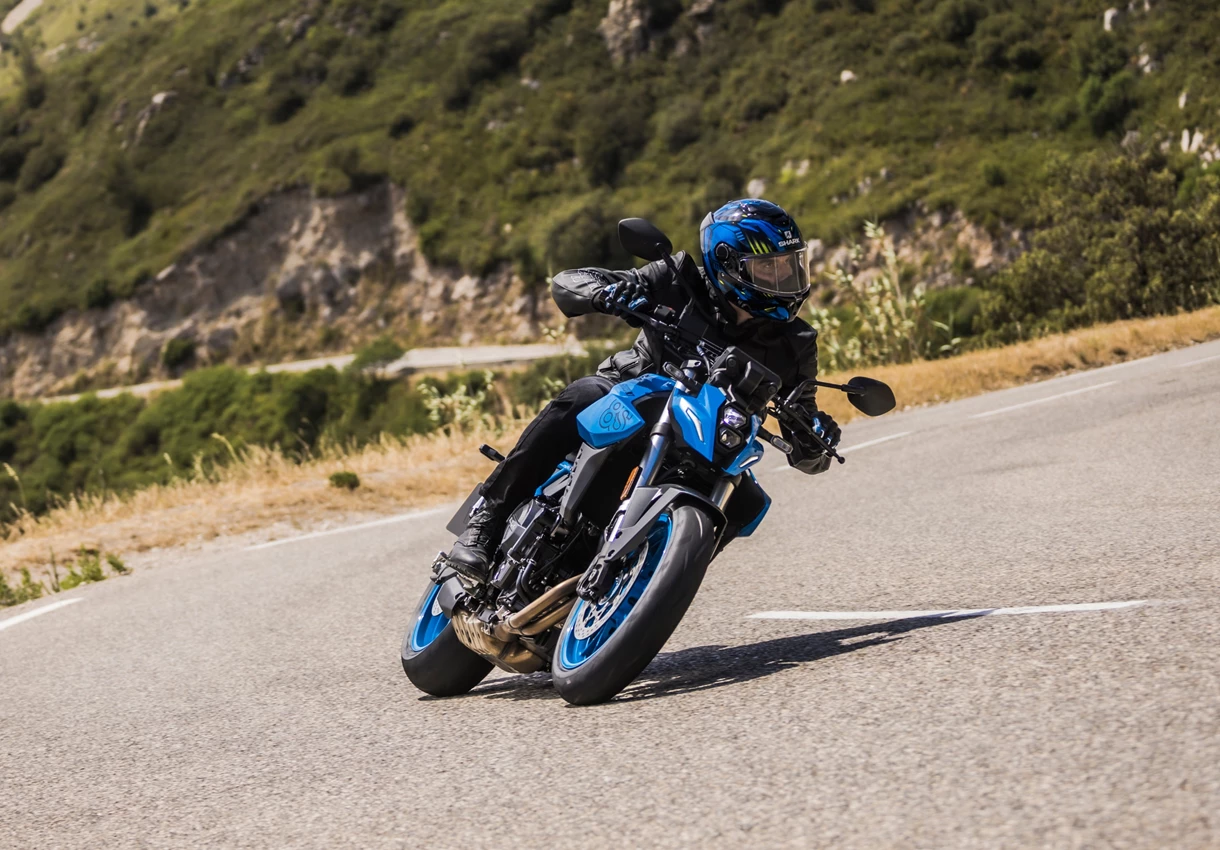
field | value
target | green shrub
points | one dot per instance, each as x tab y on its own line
679	124
578	233
612	131
1097	53
284	103
955	19
491	47
378	353
1115	243
7	195
344	480
24	592
403	124
935	59
1106	104
351	71
12	156
330	182
34	318
177	353
41	165
99	294
993	174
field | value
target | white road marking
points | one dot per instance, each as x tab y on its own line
1056	397
358	527
850	449
948	613
875	442
1197	362
37	612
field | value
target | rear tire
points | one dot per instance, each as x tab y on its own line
593	663
433	658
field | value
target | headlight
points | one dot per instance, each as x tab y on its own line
733	418
729	438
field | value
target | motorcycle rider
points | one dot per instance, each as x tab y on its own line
749	290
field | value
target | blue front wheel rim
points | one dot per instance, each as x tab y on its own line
430	622
590	626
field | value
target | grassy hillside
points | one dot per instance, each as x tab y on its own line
520	138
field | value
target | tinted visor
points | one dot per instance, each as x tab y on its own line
777	274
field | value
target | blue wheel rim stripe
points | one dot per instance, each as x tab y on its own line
429	624
573	651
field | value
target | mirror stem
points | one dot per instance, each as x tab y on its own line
841	388
669	261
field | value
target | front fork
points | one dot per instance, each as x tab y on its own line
599	578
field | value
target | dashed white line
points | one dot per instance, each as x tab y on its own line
314	535
1197	362
875	442
37	612
947	613
1044	400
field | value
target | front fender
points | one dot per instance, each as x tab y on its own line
637	515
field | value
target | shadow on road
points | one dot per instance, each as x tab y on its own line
702	668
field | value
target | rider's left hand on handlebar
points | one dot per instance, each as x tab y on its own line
825	427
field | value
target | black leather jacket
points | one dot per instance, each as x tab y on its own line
787	348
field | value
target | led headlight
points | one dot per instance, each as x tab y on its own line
733	418
729	438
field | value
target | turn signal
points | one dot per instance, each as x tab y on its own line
635	473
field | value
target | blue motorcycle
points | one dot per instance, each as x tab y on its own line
597	569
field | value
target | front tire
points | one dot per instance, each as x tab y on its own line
605	645
433	658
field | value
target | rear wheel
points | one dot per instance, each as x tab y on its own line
433	658
604	645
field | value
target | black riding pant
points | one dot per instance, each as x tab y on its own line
552	436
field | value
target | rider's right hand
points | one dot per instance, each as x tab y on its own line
622	295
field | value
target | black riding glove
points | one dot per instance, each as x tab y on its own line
825	427
629	294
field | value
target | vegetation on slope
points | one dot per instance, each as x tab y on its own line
520	139
98	446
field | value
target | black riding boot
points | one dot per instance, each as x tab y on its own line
474	551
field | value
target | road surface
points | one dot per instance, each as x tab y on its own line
253	697
17	15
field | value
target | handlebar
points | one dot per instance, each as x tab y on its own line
779	408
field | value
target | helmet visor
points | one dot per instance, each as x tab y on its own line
777	274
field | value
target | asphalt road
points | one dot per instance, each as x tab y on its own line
254	698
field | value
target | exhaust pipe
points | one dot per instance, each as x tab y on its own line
541	614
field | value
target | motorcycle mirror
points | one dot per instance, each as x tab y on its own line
641	238
872	398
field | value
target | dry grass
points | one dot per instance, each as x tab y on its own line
264	489
933	381
268	490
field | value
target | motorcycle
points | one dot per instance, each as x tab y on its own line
596	570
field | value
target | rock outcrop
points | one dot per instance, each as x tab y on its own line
942	249
299	269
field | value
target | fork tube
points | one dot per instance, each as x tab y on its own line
658	445
724	490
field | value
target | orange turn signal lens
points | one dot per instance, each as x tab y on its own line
635	473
